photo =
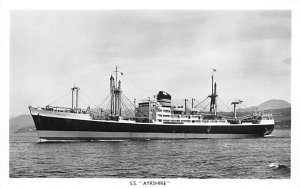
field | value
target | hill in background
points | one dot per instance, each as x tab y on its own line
22	123
280	109
268	105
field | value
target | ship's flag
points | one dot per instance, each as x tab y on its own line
214	69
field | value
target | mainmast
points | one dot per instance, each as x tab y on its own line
112	101
116	75
213	96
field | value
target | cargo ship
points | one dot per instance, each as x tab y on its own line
150	119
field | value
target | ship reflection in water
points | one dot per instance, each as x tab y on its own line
203	158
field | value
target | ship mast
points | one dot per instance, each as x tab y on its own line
185	100
75	92
115	90
234	107
213	96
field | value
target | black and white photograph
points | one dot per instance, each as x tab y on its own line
151	96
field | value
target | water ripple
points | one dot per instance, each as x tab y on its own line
203	159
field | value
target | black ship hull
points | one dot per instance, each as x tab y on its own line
58	128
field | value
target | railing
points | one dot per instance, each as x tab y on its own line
65	109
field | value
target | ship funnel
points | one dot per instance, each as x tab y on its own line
164	98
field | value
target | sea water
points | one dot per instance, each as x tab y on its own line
260	158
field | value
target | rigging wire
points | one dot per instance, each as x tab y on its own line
201	102
225	104
107	106
103	101
128	100
126	108
205	106
137	85
85	102
123	107
93	103
220	109
59	98
129	105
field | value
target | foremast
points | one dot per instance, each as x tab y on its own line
115	94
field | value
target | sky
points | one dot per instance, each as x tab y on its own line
170	50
